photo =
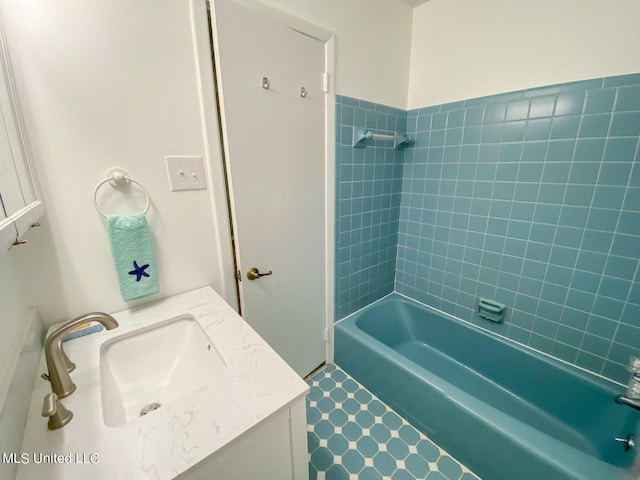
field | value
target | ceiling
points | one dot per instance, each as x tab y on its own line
415	3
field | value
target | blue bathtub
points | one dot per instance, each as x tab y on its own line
505	411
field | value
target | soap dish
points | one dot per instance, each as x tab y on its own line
491	310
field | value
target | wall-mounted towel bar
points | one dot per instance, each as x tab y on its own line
362	137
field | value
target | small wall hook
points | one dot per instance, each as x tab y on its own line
303	92
17	241
265	82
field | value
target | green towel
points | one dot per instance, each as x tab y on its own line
133	256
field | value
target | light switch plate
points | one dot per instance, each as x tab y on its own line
186	173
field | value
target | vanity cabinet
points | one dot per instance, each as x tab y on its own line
275	449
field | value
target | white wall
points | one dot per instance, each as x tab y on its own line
373	43
112	83
465	49
13	302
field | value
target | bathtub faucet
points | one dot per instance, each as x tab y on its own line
632	397
627	400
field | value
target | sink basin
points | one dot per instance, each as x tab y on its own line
144	369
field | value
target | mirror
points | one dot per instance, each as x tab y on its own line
20	207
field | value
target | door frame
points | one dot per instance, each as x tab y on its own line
212	124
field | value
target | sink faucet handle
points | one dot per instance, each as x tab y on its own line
68	363
58	414
70	366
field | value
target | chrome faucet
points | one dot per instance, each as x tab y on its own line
627	400
632	397
58	365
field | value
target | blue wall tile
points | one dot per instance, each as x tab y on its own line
622	80
474	115
626	124
538	129
542	107
551	224
518	110
628	99
569	103
594	125
368	193
589	150
600	100
530	197
565	127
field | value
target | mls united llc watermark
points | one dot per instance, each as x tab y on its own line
39	457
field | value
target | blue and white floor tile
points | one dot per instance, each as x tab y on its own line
354	436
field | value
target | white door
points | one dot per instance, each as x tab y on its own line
275	152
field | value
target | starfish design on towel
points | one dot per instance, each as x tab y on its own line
139	271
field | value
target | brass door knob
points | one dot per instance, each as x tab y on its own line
253	273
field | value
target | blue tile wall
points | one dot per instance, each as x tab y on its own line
531	198
367	199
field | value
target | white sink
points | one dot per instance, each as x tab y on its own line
153	366
218	382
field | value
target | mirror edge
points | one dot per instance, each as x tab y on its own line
16	225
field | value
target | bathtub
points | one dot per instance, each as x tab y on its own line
503	410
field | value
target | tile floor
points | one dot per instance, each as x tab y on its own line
354	436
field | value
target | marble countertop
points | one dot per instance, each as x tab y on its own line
164	444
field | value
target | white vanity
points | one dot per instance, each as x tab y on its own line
230	407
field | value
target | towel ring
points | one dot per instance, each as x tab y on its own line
119	177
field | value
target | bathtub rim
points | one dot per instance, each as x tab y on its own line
485	330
